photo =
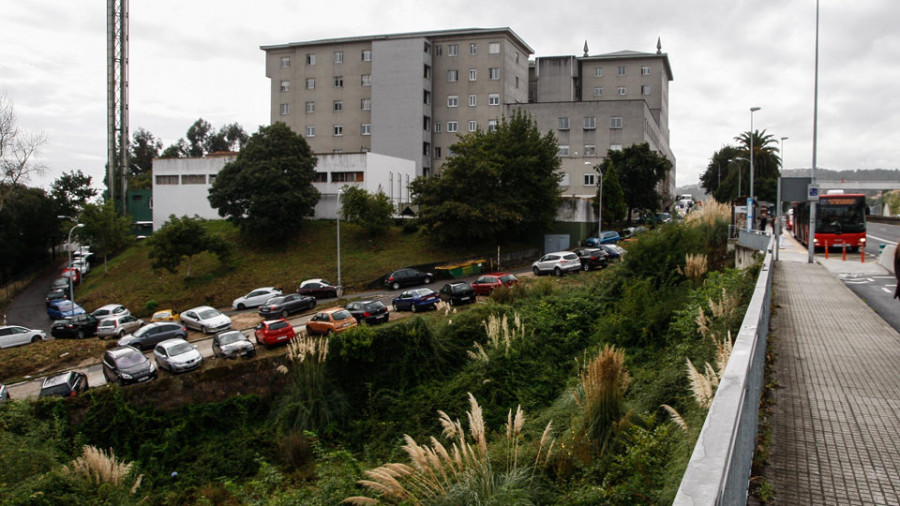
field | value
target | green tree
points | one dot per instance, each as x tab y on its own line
766	164
718	180
28	230
71	191
501	184
614	206
181	238
104	229
144	148
267	190
640	170
371	211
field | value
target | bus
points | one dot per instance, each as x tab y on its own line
840	221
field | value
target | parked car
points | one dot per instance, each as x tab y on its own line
60	283
232	344
630	232
487	283
118	326
285	305
205	319
592	258
82	266
457	293
177	355
165	315
126	365
55	294
607	237
59	309
67	384
557	263
78	326
331	321
149	335
407	277
614	251
16	335
318	288
110	310
71	272
272	332
369	311
415	300
255	298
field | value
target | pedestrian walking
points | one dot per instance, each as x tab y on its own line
763	221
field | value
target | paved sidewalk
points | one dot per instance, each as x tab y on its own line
836	417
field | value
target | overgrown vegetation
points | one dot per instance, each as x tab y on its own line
591	358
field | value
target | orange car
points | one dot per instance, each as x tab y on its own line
331	321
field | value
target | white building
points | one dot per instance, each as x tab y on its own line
181	185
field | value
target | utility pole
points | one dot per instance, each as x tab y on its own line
117	96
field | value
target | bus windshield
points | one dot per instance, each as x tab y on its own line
841	218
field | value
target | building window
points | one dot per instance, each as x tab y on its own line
473	100
452	49
473	125
346	177
494	48
367	79
437	127
473	48
426	123
427	97
452	126
615	147
621	91
212	178
452	101
492	125
564	123
366	55
598	71
452	75
426	149
563	151
437	151
285	109
365	129
311	59
427	72
645	71
494	73
310	131
494	99
193	179
337	106
473	74
590	122
438	50
285	62
320	177
517	57
285	86
310	107
517	82
365	104
338	81
598	92
645	89
590	150
310	83
338	130
615	122
338	57
590	179
166	179
620	70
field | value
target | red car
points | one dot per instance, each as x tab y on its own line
486	284
271	332
71	272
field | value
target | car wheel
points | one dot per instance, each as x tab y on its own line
536	271
557	271
35	339
586	267
330	333
138	346
80	334
284	313
312	303
413	308
203	330
427	280
395	285
105	376
396	308
452	303
241	307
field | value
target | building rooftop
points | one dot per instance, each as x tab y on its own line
408	35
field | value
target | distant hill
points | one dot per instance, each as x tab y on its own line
846	175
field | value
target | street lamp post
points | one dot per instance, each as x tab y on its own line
340	288
740	171
720	173
750	216
69	249
782	151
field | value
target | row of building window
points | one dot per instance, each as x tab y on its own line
337	57
453	126
453	49
590	122
622	91
338	130
337	82
453	74
620	71
185	179
453	100
589	150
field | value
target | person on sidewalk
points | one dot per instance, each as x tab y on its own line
897	271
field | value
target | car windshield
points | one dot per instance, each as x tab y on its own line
375	304
61	389
230	337
278	325
64	306
206	314
179	348
571	256
108	323
341	315
129	359
508	278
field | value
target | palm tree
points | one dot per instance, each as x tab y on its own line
766	163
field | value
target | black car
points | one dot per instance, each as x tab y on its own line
368	311
78	326
56	294
284	305
150	335
232	344
125	364
592	258
407	277
60	283
318	288
67	384
457	293
613	251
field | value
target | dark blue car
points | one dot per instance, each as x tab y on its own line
62	308
608	237
418	299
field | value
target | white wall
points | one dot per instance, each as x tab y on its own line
184	199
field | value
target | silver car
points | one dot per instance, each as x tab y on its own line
118	326
255	298
110	310
177	355
15	335
557	263
206	319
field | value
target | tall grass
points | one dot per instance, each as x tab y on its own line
601	398
100	467
500	336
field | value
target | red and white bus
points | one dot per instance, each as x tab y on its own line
840	221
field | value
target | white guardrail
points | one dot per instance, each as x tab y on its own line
719	469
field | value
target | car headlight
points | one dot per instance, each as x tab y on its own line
125	375
152	368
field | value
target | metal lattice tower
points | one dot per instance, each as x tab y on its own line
117	96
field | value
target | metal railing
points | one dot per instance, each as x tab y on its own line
719	469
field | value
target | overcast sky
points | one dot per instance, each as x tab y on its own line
202	59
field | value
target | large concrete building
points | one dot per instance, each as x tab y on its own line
410	95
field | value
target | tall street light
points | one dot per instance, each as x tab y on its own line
69	248
782	151
752	195
720	172
600	203
340	288
740	171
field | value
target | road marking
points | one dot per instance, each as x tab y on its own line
887	290
880	239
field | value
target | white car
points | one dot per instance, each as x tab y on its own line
110	310
15	335
82	266
206	319
118	326
557	263
255	298
177	355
